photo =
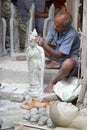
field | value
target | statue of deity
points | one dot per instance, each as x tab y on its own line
36	63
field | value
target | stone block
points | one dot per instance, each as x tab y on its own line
13	92
18	56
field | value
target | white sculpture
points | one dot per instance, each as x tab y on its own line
4	51
49	20
31	23
35	58
14	33
68	116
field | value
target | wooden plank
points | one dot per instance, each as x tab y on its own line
83	91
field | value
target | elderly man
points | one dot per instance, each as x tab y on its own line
67	44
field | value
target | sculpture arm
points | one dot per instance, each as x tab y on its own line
29	53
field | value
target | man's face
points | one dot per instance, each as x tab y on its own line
58	25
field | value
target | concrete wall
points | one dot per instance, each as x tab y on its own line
0	31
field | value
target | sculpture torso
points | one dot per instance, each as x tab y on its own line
34	65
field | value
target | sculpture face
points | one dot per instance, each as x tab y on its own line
67	110
33	43
31	38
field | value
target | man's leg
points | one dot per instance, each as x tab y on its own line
53	64
64	71
6	13
22	33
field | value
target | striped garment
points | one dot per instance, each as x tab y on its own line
24	5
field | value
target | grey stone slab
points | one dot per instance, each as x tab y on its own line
13	92
9	76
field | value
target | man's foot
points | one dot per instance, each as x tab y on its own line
47	61
52	65
49	88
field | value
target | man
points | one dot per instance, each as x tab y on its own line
6	14
67	44
23	7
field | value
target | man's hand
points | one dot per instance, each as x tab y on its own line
49	88
40	40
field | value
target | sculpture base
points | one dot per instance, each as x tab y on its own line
35	91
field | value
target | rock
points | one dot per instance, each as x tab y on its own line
50	124
7	125
42	111
27	116
43	121
1	122
33	111
34	119
17	98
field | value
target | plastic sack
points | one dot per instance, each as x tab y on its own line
67	90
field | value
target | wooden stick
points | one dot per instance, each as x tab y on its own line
20	127
35	126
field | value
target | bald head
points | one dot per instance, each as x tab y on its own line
63	19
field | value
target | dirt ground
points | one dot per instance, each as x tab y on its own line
11	111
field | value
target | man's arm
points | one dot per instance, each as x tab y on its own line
42	42
41	14
51	51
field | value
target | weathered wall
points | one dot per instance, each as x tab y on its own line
0	31
73	9
84	39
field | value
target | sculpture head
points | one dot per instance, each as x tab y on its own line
31	38
63	113
34	33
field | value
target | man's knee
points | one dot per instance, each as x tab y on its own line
68	63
